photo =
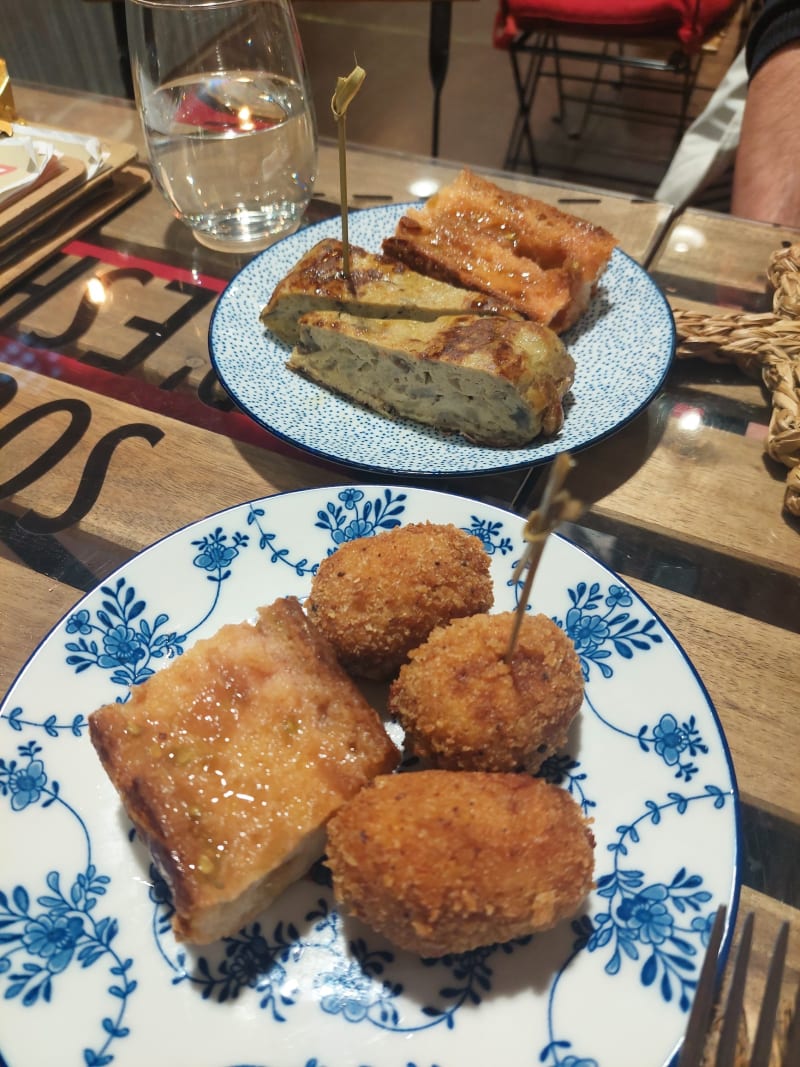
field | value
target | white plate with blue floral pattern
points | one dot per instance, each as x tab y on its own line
622	347
89	971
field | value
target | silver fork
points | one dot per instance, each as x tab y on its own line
702	1013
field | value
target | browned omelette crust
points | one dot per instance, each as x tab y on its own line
378	597
464	708
452	373
542	261
227	760
442	862
376	287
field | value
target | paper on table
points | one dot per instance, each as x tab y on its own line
23	164
89	150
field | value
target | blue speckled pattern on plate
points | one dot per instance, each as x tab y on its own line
90	973
622	348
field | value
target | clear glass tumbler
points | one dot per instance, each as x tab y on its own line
228	119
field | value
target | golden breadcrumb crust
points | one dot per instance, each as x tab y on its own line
463	707
442	862
378	597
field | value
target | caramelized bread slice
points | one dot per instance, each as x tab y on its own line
378	287
497	381
230	761
540	260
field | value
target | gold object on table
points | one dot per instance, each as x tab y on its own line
8	112
765	346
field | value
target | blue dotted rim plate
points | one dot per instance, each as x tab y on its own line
87	960
622	347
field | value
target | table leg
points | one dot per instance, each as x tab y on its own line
438	58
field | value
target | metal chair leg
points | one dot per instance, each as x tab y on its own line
438	59
521	133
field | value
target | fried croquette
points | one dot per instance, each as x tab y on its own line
463	707
378	597
442	862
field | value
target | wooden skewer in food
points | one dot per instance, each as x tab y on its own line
468	853
346	89
471	699
557	506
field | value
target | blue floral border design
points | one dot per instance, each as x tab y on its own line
122	639
643	919
594	622
562	769
57	929
354	978
592	629
126	649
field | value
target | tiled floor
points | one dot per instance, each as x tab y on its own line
389	38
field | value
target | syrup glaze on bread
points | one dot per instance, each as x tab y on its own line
542	261
230	761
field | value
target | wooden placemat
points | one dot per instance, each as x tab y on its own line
119	155
63	225
27	206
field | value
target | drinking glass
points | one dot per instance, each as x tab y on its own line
228	120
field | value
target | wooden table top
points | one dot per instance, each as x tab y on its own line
102	408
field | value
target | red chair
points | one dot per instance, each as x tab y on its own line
665	36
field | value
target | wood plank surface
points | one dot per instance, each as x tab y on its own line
712	260
143	326
734	386
704	486
67	221
708	261
163	475
749	669
31	604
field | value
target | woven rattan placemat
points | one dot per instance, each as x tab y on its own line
765	347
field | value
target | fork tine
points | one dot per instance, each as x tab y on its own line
732	1015
702	1006
762	1042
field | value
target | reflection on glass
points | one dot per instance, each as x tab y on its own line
692	419
96	292
687	238
422	188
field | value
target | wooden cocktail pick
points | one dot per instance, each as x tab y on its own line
346	89
556	506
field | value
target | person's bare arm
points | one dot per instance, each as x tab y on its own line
766	180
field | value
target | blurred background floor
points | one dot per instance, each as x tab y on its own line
74	45
478	104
